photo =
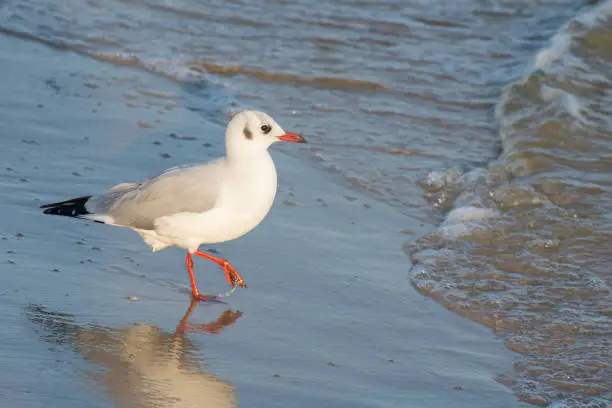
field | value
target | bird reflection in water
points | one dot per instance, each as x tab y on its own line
144	366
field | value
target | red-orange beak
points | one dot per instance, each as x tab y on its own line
292	137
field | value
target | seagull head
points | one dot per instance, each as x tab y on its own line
253	131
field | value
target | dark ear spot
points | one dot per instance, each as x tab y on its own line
247	133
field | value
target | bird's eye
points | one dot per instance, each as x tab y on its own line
266	129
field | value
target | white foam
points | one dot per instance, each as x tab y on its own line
562	40
464	220
576	403
174	68
470	213
596	15
559	44
573	106
570	102
557	53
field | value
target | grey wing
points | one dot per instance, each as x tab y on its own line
182	189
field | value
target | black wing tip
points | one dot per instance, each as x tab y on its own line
73	201
71	208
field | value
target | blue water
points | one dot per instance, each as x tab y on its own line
481	145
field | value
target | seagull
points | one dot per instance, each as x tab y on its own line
188	206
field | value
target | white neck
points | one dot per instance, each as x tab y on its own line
251	179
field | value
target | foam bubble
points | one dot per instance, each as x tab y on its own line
464	220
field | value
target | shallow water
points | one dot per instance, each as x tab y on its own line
488	139
526	247
325	321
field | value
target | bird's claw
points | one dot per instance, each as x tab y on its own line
232	276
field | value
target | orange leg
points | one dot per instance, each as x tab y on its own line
194	288
231	275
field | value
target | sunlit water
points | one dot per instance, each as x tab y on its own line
464	113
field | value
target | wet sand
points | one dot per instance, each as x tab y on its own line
329	318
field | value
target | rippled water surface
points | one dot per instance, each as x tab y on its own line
487	119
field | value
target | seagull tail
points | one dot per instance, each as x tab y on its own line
69	208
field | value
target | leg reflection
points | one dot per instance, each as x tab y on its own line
227	318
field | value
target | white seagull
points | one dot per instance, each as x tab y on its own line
192	205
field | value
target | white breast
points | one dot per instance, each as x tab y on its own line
248	193
250	186
246	196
